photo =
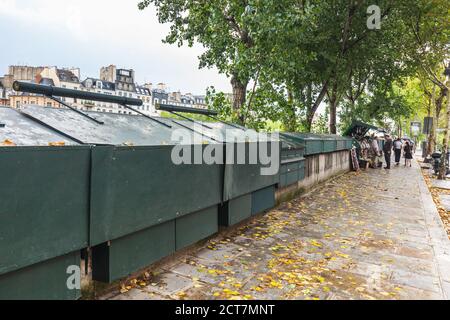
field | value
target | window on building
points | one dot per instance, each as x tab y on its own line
17	104
49	104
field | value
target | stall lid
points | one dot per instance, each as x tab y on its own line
360	128
220	132
290	143
18	130
117	129
300	136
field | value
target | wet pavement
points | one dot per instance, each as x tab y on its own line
375	234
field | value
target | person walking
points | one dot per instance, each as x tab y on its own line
397	151
387	149
374	152
408	154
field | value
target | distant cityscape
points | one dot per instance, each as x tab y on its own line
111	81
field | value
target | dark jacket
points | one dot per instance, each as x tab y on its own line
388	145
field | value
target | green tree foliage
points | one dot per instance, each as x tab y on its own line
287	58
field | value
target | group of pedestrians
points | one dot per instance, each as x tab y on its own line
397	146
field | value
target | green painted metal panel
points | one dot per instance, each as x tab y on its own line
301	174
283	180
263	200
241	179
291	172
291	153
129	254
301	163
139	187
292	177
316	143
329	145
314	147
44	204
341	144
292	166
45	280
236	210
196	226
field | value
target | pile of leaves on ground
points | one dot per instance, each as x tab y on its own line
435	192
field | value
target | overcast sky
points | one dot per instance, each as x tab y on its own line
90	34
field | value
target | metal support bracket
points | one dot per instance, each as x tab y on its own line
147	116
189	119
75	109
195	131
227	123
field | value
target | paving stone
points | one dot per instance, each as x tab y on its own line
446	289
441	184
409	293
221	254
416	280
443	262
445	201
138	294
169	283
418	253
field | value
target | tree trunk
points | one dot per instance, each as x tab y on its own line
443	164
239	96
313	108
333	129
432	136
291	124
333	107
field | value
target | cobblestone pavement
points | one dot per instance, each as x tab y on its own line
369	235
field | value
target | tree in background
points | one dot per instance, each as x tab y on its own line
222	28
429	28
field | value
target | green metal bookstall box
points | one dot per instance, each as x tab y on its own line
143	206
292	161
249	184
314	144
44	210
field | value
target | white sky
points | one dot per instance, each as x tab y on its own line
90	34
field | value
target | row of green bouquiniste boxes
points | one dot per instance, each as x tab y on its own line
69	183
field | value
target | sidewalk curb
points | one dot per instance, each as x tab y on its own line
438	236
